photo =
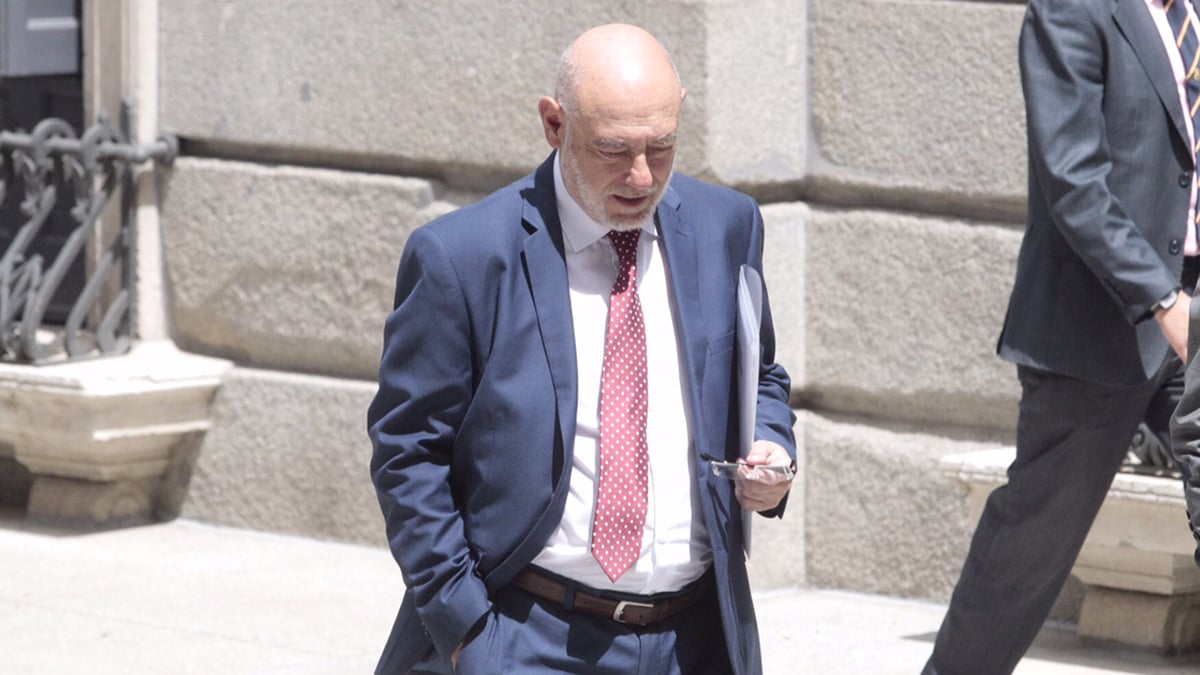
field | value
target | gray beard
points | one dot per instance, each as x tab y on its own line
594	207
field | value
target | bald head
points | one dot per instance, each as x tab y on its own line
612	61
613	120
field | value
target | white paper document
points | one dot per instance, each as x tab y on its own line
749	298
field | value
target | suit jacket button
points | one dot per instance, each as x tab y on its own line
1174	247
1185	180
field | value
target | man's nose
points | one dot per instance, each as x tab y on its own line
639	174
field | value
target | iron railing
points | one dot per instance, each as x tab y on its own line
1150	454
50	164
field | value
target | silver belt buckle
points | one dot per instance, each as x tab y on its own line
619	612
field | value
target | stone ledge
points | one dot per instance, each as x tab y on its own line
108	440
1137	560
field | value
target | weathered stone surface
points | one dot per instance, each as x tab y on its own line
285	267
107	419
755	92
1166	624
104	441
928	110
784	268
288	453
777	545
902	315
878	315
453	87
88	503
879	519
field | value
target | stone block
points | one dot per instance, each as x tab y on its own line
73	501
287	268
1168	624
777	545
927	112
902	315
753	92
288	453
784	269
106	441
875	521
452	88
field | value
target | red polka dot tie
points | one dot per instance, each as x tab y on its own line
621	500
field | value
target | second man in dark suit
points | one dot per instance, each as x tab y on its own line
1097	321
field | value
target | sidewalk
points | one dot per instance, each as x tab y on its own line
185	597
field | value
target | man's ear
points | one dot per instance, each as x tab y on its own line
554	118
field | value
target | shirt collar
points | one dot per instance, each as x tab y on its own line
579	230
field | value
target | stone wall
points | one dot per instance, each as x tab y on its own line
891	172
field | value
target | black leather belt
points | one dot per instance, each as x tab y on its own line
642	612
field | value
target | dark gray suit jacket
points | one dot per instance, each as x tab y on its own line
1110	178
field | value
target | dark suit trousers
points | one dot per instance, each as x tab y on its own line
1072	437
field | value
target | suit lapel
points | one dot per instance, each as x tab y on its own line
546	271
694	323
1136	24
679	248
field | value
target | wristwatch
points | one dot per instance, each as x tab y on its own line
1166	303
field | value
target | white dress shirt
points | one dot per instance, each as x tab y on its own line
675	546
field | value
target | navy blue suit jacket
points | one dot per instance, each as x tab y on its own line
474	420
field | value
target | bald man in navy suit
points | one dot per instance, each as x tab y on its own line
486	426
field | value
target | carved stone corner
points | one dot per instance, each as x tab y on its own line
109	441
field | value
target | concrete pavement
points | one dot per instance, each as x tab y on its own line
185	597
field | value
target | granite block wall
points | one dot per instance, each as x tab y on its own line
891	174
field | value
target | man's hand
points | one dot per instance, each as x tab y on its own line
1174	324
467	639
766	489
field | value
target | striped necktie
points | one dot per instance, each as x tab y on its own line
1189	48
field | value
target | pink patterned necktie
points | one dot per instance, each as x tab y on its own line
621	502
